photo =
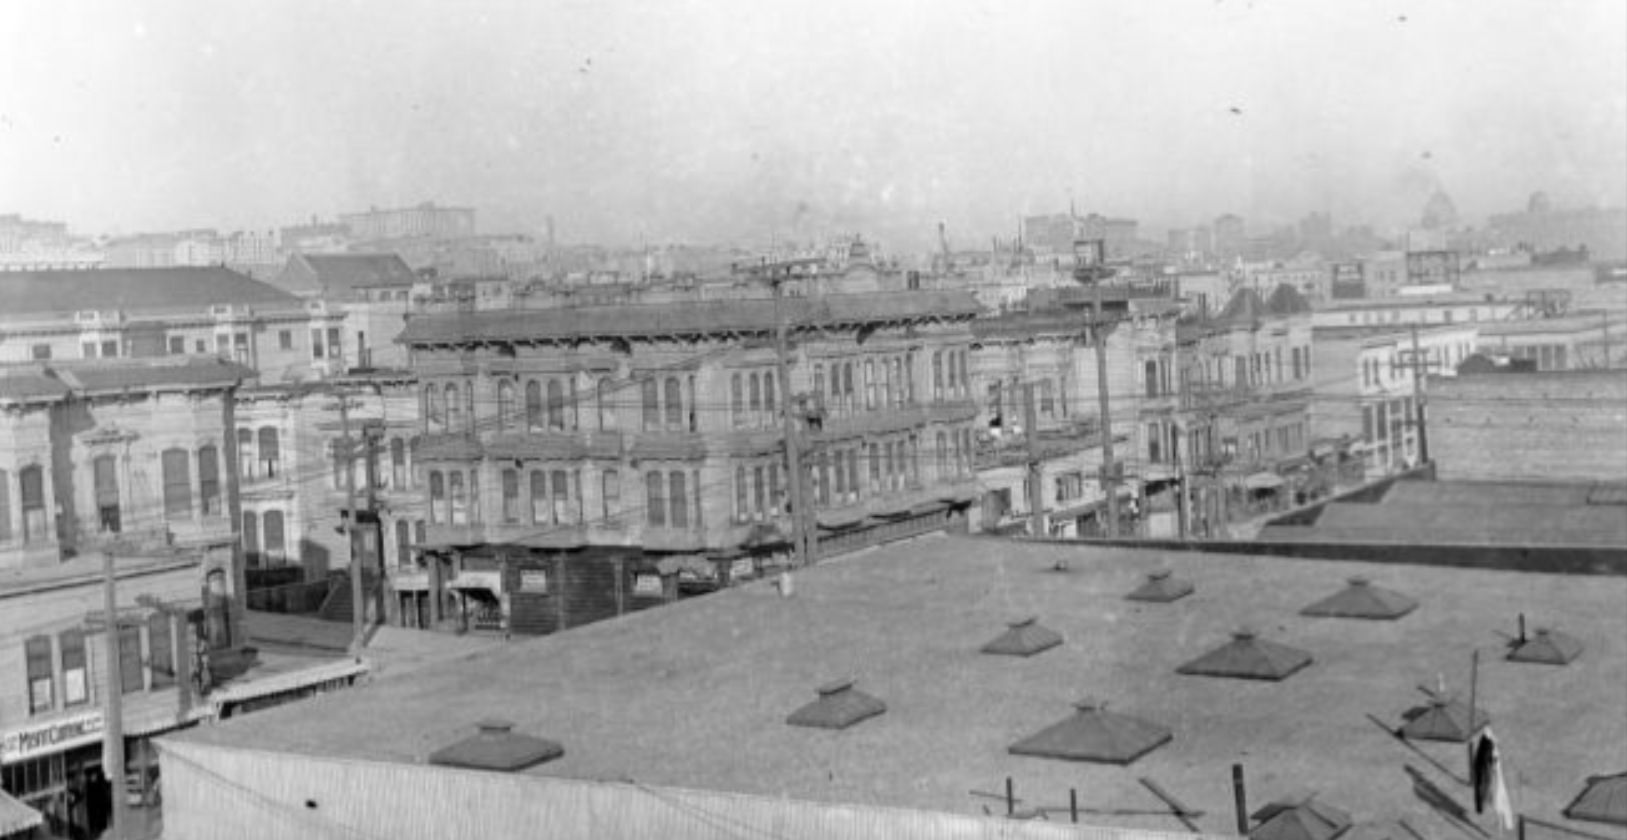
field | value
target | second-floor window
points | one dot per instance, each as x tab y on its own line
104	471
209	479
437	497
505	405
270	453
511	495
177	483
31	481
41	675
398	464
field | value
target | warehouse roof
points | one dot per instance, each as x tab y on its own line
696	694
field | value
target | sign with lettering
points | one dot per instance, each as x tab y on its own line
534	581
741	569
647	585
53	736
410	581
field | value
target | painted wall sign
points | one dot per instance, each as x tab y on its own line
53	736
534	581
647	585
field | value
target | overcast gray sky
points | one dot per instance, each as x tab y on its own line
738	120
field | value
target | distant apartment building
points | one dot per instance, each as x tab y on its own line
1245	389
1580	341
1602	231
1230	236
1445	308
423	220
584	462
1368	385
372	294
29	244
1056	233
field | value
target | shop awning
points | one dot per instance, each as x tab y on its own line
1263	481
15	817
288	681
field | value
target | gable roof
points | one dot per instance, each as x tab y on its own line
133	290
339	275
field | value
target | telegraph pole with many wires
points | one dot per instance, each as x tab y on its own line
358	598
803	539
1420	368
1036	473
1090	267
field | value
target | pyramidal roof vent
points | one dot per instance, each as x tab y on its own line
1604	800
1248	657
495	746
1443	718
1299	819
1361	599
838	707
1161	587
1024	637
1093	733
1547	647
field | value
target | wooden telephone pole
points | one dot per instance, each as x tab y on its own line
1036	473
1420	368
804	540
1090	267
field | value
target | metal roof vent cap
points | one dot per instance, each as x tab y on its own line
1024	637
1094	734
1161	587
1248	657
495	746
1361	599
1546	647
839	706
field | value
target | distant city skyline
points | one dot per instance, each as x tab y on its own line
630	123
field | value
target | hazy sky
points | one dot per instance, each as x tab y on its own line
741	120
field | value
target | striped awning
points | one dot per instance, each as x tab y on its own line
15	817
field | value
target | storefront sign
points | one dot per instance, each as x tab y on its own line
534	581
647	585
741	569
44	738
492	581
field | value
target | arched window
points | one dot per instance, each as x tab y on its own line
655	499
245	453
556	405
561	496
275	544
454	409
505	404
433	408
251	539
398	463
679	499
533	405
177	483
539	498
460	499
511	495
269	453
403	543
607	404
105	478
650	397
209	479
437	497
675	404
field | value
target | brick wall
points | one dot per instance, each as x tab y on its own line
1530	426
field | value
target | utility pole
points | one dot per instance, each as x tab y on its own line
113	706
372	431
1036	482
1420	368
1090	258
802	537
1182	528
358	598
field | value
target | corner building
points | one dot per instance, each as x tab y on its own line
585	462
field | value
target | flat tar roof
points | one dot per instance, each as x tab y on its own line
696	694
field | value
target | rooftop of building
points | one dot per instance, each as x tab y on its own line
339	275
1536	514
86	570
1578	323
686	317
1392	332
31	294
696	694
1408	301
88	377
